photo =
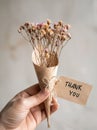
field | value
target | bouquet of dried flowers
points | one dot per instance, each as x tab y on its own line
47	41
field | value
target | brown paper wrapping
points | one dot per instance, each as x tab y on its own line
45	76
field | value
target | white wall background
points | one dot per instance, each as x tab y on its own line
78	59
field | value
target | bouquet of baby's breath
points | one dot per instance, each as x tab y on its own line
47	41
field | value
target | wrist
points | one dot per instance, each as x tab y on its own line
1	126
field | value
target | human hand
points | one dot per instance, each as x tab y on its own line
26	110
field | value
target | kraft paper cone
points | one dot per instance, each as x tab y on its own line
45	76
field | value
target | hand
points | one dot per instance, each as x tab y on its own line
26	110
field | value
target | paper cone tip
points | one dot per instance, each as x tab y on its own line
48	122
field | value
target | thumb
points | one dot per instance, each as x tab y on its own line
38	98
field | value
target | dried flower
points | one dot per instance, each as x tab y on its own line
48	22
47	38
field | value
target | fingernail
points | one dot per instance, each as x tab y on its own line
52	104
56	99
58	105
45	90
